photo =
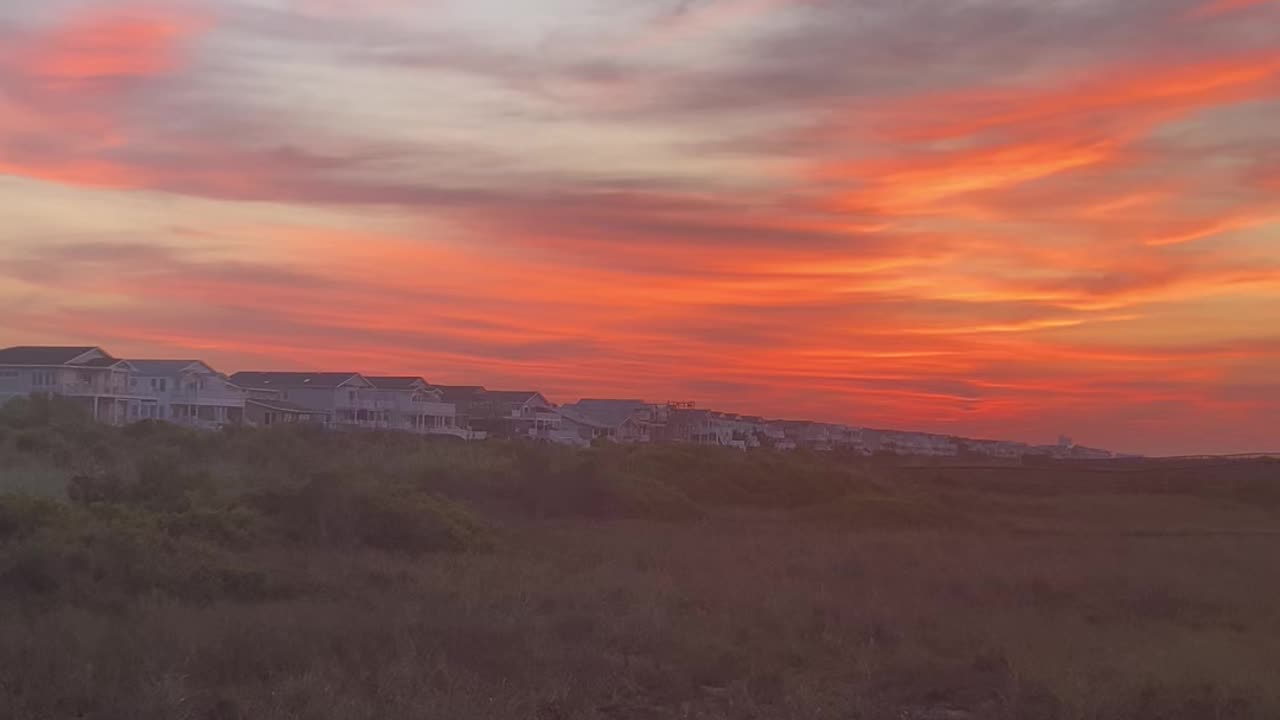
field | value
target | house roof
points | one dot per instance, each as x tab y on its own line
283	406
397	383
101	362
460	394
165	368
293	380
44	355
572	414
609	413
512	396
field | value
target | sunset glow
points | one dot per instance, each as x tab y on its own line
988	218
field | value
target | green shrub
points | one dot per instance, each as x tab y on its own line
886	512
93	489
44	411
637	496
416	523
234	526
333	510
109	554
32	442
22	516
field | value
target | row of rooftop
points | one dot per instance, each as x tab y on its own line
192	393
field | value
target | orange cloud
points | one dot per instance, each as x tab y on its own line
916	184
1009	261
1129	101
1191	231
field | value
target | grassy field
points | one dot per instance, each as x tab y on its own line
154	573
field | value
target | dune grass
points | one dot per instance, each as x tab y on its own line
291	574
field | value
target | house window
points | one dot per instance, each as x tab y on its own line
43	378
351	396
8	374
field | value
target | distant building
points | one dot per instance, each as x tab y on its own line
415	406
622	421
520	413
101	383
270	412
347	400
502	413
703	427
192	393
898	442
467	400
188	392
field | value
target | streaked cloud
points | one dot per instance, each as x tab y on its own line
992	217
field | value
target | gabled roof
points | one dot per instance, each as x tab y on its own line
102	362
519	397
573	415
296	380
461	394
398	383
169	368
609	413
45	355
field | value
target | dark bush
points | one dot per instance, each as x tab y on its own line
111	554
33	442
1190	702
92	489
331	510
43	411
22	516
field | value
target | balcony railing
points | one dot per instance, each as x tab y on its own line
90	389
365	404
207	397
434	408
463	433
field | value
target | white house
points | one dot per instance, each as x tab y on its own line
622	421
88	375
188	392
515	413
899	442
347	400
265	411
415	406
704	427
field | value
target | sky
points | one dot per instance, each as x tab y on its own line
995	218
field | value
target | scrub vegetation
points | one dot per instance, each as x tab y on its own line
152	572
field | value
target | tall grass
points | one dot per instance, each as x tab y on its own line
152	572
